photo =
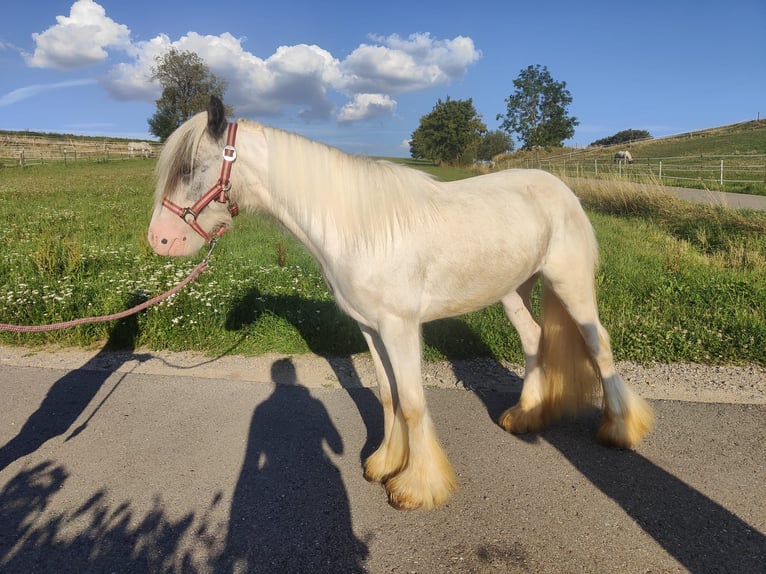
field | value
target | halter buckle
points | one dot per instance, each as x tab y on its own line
229	153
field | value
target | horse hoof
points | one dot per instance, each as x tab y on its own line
628	430
407	492
374	478
400	503
518	421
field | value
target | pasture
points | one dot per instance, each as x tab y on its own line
728	158
677	282
23	149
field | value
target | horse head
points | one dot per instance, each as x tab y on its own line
192	202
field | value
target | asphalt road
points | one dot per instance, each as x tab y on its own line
108	470
724	199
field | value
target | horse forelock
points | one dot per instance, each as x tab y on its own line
178	155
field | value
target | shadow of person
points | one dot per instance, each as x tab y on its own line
69	396
290	511
329	334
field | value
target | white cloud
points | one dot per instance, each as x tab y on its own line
26	92
79	39
367	106
396	65
305	77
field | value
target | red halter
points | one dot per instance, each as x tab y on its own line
219	192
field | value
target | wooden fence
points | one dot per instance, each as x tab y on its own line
21	150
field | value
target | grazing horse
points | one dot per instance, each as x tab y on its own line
623	156
142	148
398	248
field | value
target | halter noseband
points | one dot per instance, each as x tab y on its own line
219	192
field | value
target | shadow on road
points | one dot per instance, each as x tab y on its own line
68	397
114	540
698	532
320	331
290	511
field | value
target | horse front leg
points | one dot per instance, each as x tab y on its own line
391	455
426	479
527	415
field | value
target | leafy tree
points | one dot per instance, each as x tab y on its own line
494	143
625	136
450	133
537	110
187	84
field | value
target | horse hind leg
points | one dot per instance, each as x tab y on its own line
528	415
626	416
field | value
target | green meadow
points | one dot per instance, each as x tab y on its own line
677	282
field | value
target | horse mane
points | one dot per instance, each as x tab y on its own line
366	201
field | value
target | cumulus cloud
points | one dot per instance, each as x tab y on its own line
395	65
304	77
367	106
80	39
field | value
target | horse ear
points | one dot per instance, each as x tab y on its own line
216	117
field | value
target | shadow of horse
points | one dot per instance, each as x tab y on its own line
697	531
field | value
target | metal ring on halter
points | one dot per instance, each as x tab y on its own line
189	211
229	153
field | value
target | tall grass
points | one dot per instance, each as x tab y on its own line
678	282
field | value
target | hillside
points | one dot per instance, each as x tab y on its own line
726	158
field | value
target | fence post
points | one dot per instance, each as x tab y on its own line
660	176
721	174
595	162
21	157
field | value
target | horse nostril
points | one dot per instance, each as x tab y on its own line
164	241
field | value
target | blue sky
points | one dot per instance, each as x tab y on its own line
359	75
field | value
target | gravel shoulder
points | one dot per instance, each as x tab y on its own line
680	381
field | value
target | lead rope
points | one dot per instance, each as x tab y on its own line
196	272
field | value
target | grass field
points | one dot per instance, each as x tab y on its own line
677	282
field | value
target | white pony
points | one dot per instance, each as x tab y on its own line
623	156
142	148
398	248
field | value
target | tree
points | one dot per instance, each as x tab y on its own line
625	136
450	133
537	110
187	84
494	143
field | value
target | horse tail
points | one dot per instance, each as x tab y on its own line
571	380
